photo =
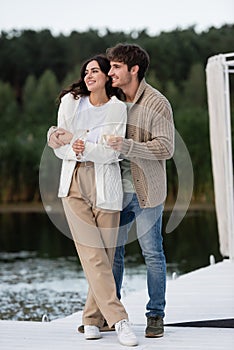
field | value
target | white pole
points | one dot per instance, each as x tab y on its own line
230	191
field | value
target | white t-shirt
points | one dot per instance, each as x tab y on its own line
91	118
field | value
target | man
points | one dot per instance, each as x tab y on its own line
148	144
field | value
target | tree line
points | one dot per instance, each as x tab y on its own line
35	66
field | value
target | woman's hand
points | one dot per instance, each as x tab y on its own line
78	146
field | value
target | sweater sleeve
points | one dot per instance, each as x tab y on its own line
158	134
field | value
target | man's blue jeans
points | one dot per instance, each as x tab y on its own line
149	227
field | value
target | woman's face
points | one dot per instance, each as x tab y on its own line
95	79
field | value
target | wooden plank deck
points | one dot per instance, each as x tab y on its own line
205	294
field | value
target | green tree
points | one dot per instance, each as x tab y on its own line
173	94
39	112
193	126
195	88
39	100
9	143
35	66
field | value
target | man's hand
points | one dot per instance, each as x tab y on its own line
115	142
60	137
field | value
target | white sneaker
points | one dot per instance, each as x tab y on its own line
92	332
125	333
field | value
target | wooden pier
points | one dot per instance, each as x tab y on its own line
199	316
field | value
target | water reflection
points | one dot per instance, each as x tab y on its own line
40	271
31	286
193	241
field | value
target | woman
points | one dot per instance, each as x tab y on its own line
91	189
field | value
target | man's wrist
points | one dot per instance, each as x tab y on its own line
126	145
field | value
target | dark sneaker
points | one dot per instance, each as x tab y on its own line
104	328
154	327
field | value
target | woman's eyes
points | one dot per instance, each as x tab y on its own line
93	71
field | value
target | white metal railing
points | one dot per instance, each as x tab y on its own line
230	198
220	112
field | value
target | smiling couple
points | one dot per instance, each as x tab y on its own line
114	134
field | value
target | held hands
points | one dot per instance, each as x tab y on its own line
115	142
60	137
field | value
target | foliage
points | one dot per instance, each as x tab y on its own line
35	66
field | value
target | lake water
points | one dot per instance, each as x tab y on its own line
40	272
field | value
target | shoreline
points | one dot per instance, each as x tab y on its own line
37	207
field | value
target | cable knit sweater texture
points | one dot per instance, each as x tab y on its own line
149	143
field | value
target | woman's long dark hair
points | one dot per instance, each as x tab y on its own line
79	88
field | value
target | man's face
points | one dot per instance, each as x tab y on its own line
120	75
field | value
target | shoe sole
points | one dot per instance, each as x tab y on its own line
129	344
102	329
151	335
133	343
90	338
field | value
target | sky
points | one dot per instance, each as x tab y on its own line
122	15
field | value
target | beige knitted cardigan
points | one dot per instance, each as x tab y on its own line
149	142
